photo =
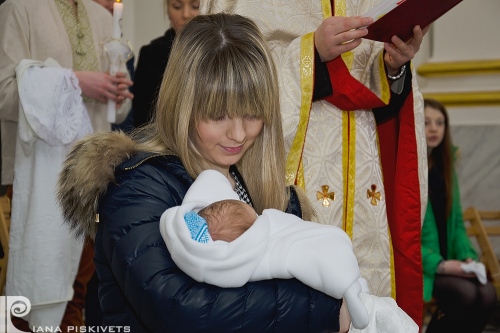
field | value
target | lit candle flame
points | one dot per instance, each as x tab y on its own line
118	1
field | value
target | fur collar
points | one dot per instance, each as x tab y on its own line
87	171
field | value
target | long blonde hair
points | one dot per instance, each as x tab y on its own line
221	66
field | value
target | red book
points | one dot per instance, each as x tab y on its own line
403	15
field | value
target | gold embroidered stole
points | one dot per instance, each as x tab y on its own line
77	24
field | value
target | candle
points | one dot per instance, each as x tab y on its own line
114	66
113	57
117	16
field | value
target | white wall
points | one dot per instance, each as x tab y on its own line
143	20
468	32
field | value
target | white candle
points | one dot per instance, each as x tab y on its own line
114	60
117	16
113	69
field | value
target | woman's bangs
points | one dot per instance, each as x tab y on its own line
247	102
237	93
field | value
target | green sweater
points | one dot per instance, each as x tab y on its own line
459	245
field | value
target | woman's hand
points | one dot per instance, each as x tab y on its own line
453	267
344	318
399	53
339	34
102	86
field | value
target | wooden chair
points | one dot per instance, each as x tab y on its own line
4	238
482	232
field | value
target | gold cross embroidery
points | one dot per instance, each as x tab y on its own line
373	195
325	195
307	65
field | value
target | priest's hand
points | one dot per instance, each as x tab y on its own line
338	34
103	86
399	52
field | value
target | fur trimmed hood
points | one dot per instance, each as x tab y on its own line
87	171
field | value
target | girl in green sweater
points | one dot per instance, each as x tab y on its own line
463	303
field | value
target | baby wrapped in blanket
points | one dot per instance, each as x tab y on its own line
272	245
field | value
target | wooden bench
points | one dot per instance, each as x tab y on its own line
483	231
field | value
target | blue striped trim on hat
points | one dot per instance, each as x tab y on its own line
197	227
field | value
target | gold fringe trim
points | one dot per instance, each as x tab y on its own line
326	7
340	8
385	87
393	268
345	164
294	166
351	180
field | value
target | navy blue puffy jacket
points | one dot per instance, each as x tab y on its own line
141	287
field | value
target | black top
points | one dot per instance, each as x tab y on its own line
148	75
437	196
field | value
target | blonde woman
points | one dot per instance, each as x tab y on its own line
222	113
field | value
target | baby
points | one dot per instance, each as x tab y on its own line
217	239
226	219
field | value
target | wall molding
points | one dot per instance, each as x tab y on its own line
459	68
477	98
